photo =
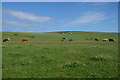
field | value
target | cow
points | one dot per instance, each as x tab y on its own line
104	39
64	38
6	39
110	39
69	33
96	39
24	40
71	39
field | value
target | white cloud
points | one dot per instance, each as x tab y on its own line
89	17
14	23
28	16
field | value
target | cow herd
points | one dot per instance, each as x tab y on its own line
26	39
23	40
110	39
96	39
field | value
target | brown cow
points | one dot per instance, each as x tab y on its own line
6	39
24	40
110	39
71	39
104	39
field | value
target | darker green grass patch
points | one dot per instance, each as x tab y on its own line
15	54
98	58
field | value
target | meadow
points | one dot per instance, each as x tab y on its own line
46	56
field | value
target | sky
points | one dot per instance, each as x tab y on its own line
59	16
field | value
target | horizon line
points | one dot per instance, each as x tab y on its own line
62	31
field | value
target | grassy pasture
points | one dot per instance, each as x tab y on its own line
46	56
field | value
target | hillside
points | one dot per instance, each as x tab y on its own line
46	56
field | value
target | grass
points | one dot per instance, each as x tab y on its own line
46	56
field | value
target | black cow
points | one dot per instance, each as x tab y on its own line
64	38
96	39
110	39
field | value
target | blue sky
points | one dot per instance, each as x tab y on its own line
60	16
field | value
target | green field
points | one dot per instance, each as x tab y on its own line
46	56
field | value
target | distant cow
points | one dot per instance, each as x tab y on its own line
69	33
6	39
24	40
104	39
96	39
64	38
71	39
110	39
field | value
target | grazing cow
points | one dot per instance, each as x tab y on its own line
69	33
24	40
104	39
71	39
96	39
64	38
6	39
110	39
